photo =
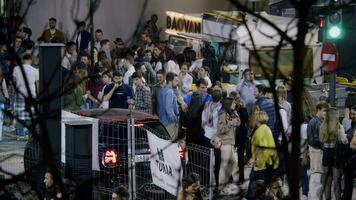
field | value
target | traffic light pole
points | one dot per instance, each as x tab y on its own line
332	89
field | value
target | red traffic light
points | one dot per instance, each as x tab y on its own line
110	158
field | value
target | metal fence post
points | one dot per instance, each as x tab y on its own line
211	173
129	157
133	165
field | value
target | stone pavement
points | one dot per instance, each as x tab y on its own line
11	155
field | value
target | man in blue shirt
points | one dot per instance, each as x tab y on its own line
117	93
167	105
267	106
196	101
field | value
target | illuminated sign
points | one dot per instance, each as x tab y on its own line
183	23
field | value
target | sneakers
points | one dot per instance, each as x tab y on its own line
9	128
230	189
304	197
24	138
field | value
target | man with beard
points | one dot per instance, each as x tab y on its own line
156	89
117	93
53	35
167	105
98	36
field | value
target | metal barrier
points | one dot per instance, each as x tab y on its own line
201	161
124	159
142	183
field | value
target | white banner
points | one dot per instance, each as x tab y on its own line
165	163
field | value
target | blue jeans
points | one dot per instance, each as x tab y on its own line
21	130
304	179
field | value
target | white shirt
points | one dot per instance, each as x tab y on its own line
196	64
31	74
172	67
211	111
207	79
187	82
128	74
66	62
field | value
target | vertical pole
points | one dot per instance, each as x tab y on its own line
332	89
133	159
92	33
211	173
129	157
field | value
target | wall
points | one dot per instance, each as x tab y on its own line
117	18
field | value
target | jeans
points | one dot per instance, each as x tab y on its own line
332	175
350	175
21	130
316	173
304	179
217	155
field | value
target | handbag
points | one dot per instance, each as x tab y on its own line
216	141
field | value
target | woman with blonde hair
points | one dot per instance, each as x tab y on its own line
263	149
331	131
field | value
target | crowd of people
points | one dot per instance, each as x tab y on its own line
241	124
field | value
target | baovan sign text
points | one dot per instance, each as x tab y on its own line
183	24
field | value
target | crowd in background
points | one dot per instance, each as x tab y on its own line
241	124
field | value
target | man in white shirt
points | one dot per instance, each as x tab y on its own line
30	77
70	56
203	73
130	69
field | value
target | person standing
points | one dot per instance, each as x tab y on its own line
263	149
161	82
130	69
142	94
349	123
53	35
315	151
185	78
118	93
168	107
30	78
83	37
196	101
227	122
331	134
265	105
98	36
241	133
247	89
4	97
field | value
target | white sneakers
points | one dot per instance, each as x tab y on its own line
230	189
